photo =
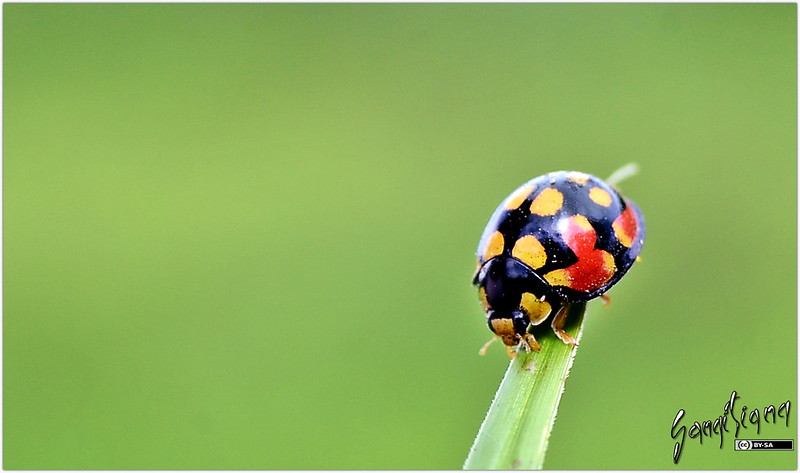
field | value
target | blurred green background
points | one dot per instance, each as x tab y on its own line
242	236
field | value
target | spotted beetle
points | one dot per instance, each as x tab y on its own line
561	238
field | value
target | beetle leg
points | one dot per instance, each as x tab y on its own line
486	345
529	342
524	343
511	352
558	326
606	299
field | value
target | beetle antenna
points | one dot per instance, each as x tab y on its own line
626	171
483	349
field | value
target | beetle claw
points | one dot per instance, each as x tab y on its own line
558	326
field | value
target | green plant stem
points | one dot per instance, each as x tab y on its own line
517	427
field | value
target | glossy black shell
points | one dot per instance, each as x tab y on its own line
519	221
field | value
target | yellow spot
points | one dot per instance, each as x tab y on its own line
530	251
638	258
494	247
547	202
557	277
518	197
484	301
537	310
600	196
610	265
582	222
578	177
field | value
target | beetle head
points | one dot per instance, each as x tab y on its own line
509	326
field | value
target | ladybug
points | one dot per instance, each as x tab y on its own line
561	238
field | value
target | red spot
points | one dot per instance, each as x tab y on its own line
625	227
594	267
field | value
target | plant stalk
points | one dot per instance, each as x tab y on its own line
516	430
